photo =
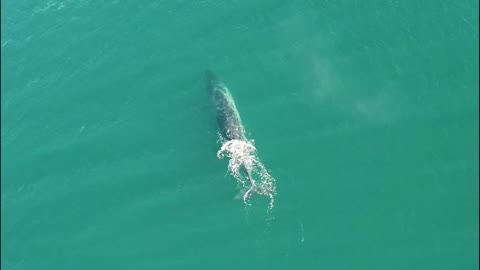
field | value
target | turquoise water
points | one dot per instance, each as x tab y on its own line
365	113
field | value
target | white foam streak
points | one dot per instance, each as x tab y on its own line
243	158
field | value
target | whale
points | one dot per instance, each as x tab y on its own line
228	119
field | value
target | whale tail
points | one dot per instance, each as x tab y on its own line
246	192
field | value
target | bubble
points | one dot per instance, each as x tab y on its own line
243	162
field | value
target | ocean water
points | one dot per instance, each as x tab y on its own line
364	112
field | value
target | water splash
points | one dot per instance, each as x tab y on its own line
242	160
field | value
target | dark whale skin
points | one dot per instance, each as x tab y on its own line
228	118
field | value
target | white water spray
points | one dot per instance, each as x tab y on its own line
248	170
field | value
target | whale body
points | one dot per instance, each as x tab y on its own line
228	117
229	122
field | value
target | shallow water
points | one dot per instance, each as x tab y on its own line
365	112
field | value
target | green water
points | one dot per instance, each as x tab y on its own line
365	112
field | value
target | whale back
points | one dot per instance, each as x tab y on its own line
228	117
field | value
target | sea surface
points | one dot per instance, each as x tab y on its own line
364	112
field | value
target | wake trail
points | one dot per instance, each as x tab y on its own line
245	166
